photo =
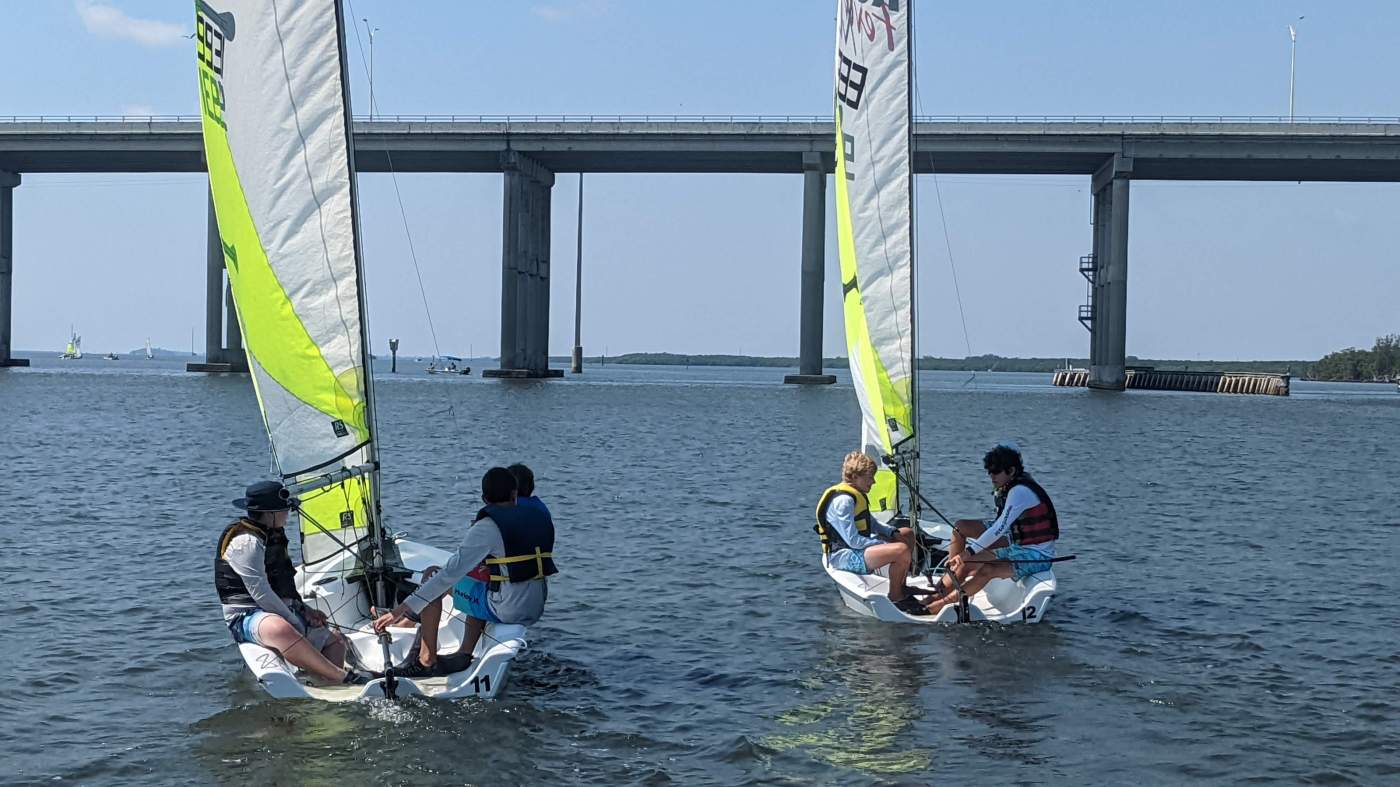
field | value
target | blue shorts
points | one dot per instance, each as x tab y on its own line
1022	570
469	598
244	628
852	560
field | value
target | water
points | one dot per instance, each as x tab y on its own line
1230	617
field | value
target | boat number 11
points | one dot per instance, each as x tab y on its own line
481	683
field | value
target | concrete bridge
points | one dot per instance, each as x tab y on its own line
1111	151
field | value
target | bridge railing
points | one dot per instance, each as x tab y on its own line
1301	119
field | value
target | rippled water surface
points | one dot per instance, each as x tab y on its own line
1231	616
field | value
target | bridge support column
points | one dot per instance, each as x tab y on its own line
809	363
525	270
218	300
8	181
1108	337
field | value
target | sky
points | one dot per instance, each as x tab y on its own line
711	263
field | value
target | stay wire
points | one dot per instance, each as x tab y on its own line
398	195
947	239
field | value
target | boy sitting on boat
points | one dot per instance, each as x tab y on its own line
256	582
497	575
855	541
1019	542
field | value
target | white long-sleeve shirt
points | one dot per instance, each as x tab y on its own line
1018	500
515	602
246	555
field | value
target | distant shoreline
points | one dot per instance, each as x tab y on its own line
980	363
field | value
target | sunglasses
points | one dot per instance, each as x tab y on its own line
995	472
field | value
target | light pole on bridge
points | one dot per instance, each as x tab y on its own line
1292	59
372	31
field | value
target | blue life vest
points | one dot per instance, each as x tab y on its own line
528	536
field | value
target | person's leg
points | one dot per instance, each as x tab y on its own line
896	555
276	633
429	618
474	628
974	576
334	649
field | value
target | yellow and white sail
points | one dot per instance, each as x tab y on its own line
275	115
874	223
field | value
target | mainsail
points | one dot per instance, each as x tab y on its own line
277	144
874	228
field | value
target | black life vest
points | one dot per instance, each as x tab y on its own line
1037	524
832	540
528	536
281	574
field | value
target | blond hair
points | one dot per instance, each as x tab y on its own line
856	464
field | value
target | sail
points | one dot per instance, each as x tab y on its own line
874	222
275	121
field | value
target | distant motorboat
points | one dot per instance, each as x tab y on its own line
111	357
435	367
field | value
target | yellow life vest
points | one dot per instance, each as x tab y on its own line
828	534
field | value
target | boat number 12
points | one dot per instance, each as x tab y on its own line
1027	613
481	683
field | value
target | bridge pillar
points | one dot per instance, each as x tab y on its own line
809	363
8	181
1108	337
525	270
218	301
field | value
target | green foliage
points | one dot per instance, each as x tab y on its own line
1381	362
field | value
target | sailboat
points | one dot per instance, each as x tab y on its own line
275	111
149	355
874	218
74	350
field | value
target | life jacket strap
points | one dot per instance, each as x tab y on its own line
538	557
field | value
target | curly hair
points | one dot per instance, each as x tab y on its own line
856	464
1003	458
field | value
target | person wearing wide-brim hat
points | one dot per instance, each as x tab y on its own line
256	582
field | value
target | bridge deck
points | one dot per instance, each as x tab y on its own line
1168	149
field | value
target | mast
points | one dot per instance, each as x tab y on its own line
913	465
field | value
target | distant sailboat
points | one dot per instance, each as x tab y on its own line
74	350
149	354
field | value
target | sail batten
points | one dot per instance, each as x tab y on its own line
874	224
275	122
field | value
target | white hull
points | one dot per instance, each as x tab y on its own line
346	603
1002	601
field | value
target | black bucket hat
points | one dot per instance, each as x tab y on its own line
266	496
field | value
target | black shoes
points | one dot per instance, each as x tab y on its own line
413	668
356	678
451	665
445	665
911	606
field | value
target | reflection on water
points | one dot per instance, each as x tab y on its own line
861	707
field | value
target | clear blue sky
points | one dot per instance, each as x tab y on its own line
710	263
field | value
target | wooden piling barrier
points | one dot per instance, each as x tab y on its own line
1149	379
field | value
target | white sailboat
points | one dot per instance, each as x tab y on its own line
74	350
149	355
874	218
276	116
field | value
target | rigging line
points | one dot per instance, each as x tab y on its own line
398	195
947	241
